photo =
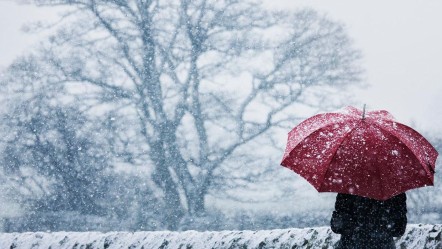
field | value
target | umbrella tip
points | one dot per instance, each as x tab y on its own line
363	112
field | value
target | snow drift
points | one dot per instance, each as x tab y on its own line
416	236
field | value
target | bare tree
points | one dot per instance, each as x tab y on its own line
189	83
54	156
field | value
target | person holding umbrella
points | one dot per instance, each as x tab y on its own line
369	223
370	160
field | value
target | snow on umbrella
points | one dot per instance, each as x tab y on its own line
366	154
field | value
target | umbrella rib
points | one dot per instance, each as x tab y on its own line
334	153
407	148
314	130
380	180
311	134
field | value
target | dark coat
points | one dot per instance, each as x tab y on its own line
369	223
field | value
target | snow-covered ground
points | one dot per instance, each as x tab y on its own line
417	236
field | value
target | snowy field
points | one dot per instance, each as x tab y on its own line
417	236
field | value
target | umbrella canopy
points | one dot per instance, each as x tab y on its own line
366	154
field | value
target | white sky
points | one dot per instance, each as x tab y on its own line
400	39
402	45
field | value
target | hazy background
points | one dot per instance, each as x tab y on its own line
400	43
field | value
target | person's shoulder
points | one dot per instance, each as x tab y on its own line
348	197
344	196
400	197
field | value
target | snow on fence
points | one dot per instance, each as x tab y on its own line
416	236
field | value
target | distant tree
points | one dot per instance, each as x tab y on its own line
52	153
51	142
190	83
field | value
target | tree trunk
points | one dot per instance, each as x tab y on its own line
196	203
174	210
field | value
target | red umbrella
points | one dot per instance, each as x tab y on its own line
366	154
